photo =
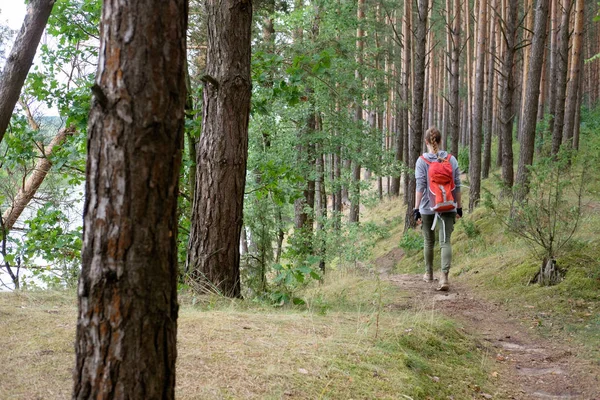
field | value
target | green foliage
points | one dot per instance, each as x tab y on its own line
470	228
412	241
463	158
550	216
289	279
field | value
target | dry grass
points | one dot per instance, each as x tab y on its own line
241	350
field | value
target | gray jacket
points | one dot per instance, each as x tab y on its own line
421	169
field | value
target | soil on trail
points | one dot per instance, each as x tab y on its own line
525	366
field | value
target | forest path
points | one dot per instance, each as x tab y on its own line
524	365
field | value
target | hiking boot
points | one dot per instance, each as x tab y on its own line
428	277
443	286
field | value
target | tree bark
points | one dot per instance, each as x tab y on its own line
127	320
406	73
213	251
573	90
487	131
416	135
454	81
21	57
354	215
532	97
562	55
506	94
475	150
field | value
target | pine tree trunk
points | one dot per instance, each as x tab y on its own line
487	139
416	134
475	153
506	93
532	97
213	251
21	57
127	320
562	55
573	90
354	215
454	80
407	76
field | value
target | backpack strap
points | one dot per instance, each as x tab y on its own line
426	160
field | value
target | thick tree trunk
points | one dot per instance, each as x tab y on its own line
127	323
213	251
573	90
416	134
34	181
21	57
561	65
532	97
506	94
475	150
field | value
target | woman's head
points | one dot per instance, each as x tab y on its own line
433	138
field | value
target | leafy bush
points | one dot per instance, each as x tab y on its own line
412	241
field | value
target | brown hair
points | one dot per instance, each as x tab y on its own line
434	138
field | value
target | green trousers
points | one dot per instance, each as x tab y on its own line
445	227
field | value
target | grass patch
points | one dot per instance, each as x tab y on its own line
246	350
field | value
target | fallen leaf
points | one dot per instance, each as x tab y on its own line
302	371
495	374
486	396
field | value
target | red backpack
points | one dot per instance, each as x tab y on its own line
441	185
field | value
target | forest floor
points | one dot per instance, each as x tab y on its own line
372	332
525	365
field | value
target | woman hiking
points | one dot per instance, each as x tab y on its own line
436	207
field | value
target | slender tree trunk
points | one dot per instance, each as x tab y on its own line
416	136
34	181
506	94
454	80
475	156
527	32
21	57
562	55
573	90
532	97
213	251
487	139
127	320
406	72
355	195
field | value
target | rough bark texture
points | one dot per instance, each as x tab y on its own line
475	149
21	57
213	251
532	96
573	91
34	181
506	94
562	59
127	322
416	134
454	81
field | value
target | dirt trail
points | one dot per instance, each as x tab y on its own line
525	365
